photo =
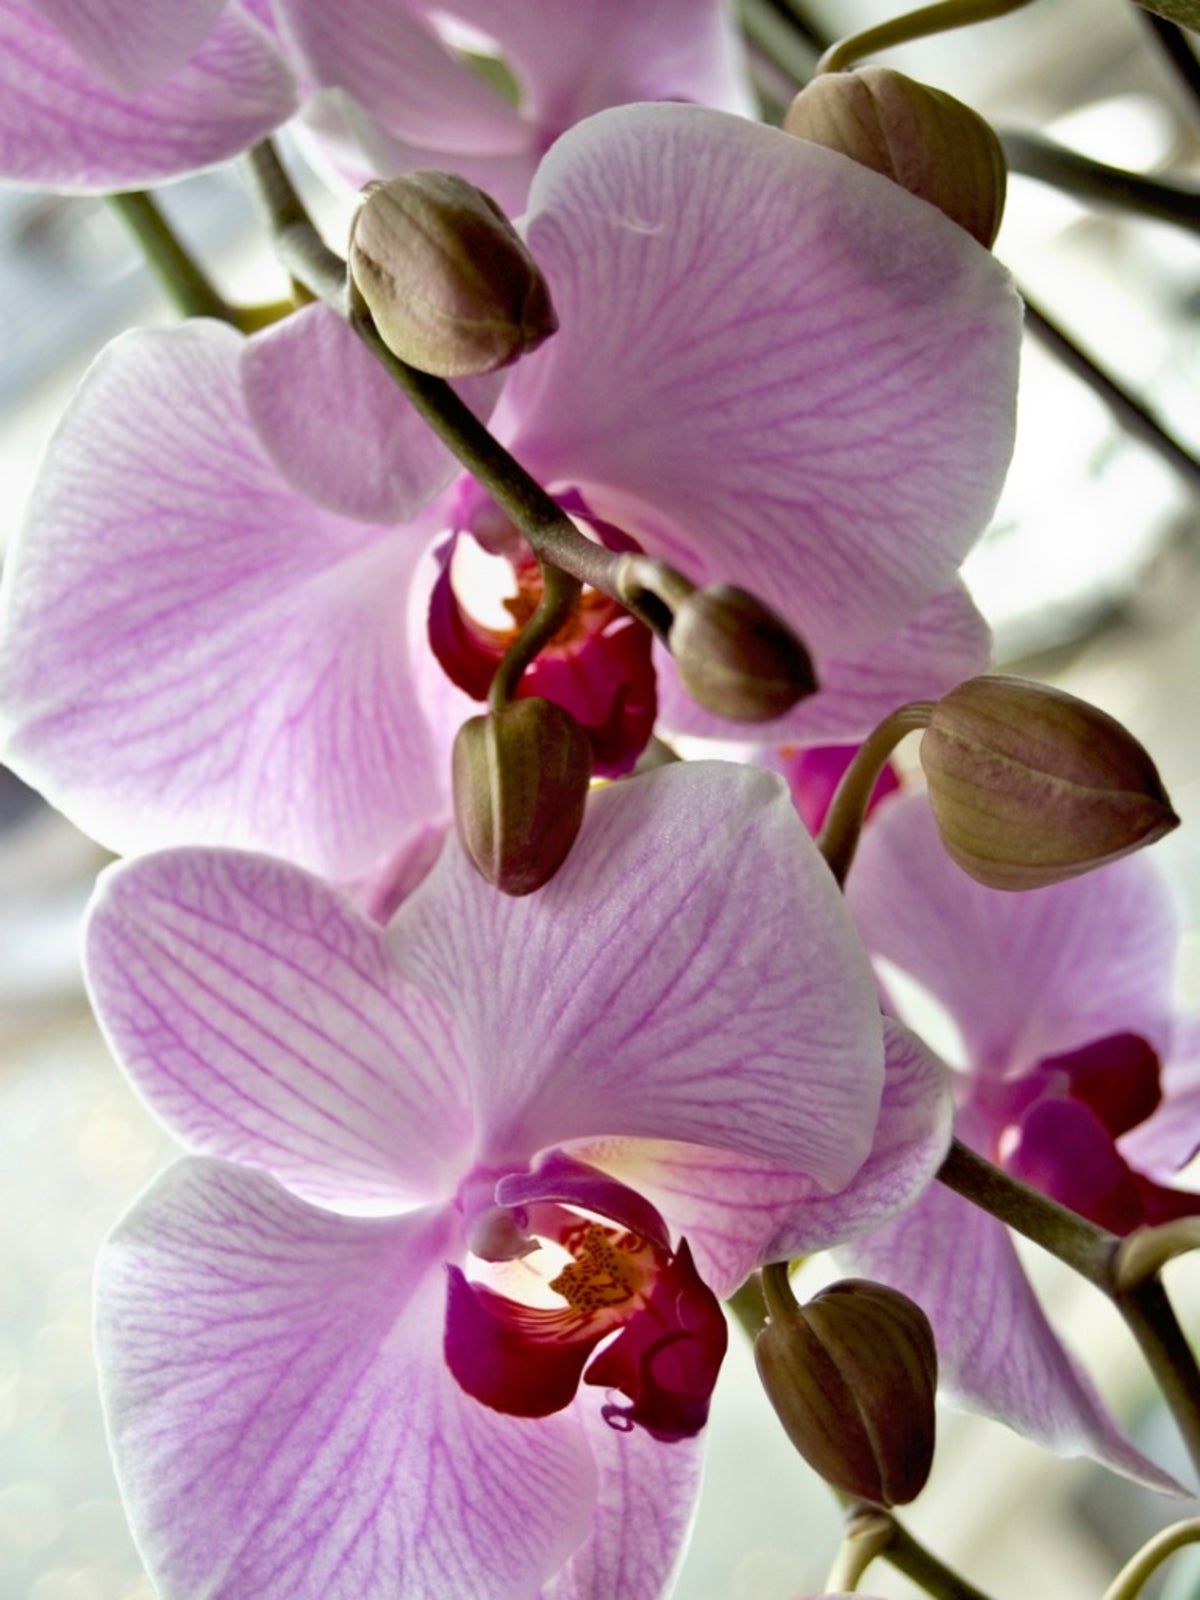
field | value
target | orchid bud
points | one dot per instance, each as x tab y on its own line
852	1376
921	138
520	784
1030	785
737	657
448	281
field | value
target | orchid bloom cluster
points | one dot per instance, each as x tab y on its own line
503	1046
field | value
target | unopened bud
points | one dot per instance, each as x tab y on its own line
520	785
737	657
923	139
1030	785
448	281
852	1376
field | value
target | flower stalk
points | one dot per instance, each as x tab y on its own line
1133	1577
919	24
179	274
838	839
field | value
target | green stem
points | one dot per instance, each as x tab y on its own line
838	839
1128	410
1176	46
1132	1578
885	1537
560	591
920	24
185	282
749	1306
551	534
1051	163
777	1293
867	1536
1093	1252
1145	1253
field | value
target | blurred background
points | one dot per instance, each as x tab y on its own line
1091	578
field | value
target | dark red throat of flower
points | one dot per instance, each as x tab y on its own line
670	1333
598	666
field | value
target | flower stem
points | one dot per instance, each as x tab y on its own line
185	282
920	24
1149	1250
1129	411
551	534
559	593
1052	163
1093	1252
838	839
885	1537
1132	1578
1177	48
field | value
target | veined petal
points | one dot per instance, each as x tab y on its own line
997	1353
738	1212
63	127
647	1492
945	642
1025	976
131	44
400	72
689	973
773	365
261	1017
283	1422
193	652
336	425
671	50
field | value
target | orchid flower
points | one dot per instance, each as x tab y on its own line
410	96
774	368
114	94
1062	1000
435	1166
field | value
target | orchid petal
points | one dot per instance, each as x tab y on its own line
671	50
773	365
737	1212
647	1492
282	1420
997	1353
945	642
192	652
63	127
401	73
1169	1139
337	426
260	1016
132	45
713	993
1025	976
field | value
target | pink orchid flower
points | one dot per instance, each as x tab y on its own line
1062	999
436	1165
774	368
409	97
108	94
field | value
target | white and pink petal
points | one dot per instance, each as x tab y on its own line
261	1017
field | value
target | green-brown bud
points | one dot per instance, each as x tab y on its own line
923	139
448	281
737	657
852	1376
1030	785
520	785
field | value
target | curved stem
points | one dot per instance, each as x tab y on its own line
867	1536
1175	45
559	593
777	1290
1052	163
187	285
911	1558
551	534
1132	1578
838	838
1128	410
1093	1252
1145	1253
920	24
